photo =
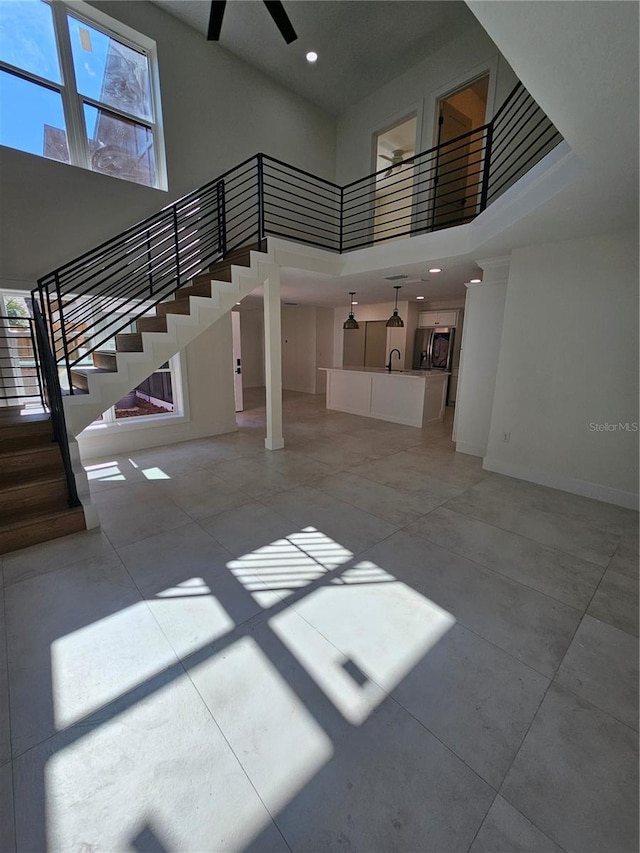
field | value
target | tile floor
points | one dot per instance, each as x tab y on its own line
361	643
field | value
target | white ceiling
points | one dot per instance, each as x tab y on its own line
361	44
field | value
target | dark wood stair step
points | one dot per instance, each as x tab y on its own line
80	376
22	492
105	359
152	324
129	342
176	306
25	425
20	532
43	458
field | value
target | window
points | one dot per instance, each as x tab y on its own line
80	88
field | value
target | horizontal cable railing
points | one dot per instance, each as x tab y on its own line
20	381
90	300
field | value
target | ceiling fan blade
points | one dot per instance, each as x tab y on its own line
277	12
216	15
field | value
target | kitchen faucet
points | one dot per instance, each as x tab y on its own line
390	357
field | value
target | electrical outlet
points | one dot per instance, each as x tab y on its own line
506	437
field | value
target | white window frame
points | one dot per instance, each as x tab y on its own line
110	423
73	101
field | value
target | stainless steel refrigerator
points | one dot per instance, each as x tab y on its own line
433	348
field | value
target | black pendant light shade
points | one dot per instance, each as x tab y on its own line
351	322
395	320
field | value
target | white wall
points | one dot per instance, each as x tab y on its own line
480	350
209	401
568	359
252	343
416	91
299	348
307	344
217	112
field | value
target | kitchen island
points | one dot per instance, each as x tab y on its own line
411	397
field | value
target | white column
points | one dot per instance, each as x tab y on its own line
273	360
482	332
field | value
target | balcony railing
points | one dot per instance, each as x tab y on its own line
89	300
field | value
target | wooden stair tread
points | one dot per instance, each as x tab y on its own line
41	527
16	480
90	370
21	517
24	445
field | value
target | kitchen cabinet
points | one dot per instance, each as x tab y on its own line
427	319
413	398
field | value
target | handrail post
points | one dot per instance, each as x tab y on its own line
177	244
63	332
149	264
222	219
260	200
34	347
486	167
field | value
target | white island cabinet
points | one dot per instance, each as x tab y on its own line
411	397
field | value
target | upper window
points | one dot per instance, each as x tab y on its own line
81	88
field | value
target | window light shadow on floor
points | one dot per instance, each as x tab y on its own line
330	638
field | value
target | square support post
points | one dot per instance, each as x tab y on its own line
273	361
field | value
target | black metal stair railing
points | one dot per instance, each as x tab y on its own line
98	295
20	381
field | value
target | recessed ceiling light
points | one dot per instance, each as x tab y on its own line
354	303
435	269
312	56
476	281
237	303
419	297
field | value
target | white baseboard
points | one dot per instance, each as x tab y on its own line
628	500
470	449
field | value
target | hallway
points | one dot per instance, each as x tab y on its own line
363	643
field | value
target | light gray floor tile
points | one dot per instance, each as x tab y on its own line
156	775
384	501
601	666
505	830
190	586
247	527
576	776
477	699
502	509
294	464
137	513
616	601
626	562
201	494
39	559
284	698
548	570
352	528
77	638
533	627
7	830
607	517
334	452
429	490
252	477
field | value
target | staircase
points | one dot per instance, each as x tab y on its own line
173	325
34	503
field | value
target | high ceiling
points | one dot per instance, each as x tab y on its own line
358	50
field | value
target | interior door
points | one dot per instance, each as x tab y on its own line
237	361
452	169
353	347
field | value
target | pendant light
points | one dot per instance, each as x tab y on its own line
395	321
351	322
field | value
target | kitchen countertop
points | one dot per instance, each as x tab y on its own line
424	374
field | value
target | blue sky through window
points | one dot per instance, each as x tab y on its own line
25	108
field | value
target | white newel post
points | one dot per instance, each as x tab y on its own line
273	361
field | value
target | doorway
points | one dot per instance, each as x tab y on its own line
394	181
459	167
